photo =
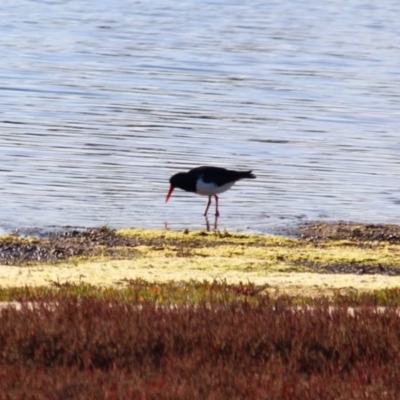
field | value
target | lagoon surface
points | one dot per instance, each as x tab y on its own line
100	102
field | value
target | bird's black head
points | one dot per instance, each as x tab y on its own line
179	180
182	180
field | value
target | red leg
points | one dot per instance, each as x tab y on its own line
208	205
216	206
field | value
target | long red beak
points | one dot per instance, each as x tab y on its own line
171	189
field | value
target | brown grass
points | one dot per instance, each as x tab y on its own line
88	348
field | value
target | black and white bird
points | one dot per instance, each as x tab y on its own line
207	181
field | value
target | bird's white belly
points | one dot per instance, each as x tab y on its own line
210	189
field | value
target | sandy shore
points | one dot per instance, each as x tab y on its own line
119	272
111	258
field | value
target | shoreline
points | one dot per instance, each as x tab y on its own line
322	259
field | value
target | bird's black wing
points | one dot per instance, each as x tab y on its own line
220	176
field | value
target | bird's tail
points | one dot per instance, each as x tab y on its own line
246	175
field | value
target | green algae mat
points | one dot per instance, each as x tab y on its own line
319	259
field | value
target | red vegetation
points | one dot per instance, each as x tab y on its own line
112	349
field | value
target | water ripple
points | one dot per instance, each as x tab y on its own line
101	104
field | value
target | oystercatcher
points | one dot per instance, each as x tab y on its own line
207	181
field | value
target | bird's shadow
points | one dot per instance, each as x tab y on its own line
211	227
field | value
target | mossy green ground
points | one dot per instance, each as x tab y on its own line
273	262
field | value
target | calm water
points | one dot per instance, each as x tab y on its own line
100	102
